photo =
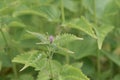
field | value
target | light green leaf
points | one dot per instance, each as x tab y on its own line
45	74
65	38
26	76
82	24
70	5
84	48
39	36
101	33
29	59
50	13
75	73
99	6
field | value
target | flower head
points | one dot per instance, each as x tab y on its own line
51	38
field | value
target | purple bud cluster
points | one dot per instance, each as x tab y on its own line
51	38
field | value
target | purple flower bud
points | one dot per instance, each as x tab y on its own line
51	38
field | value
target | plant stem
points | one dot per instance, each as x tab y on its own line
50	55
67	59
50	67
62	11
15	70
98	52
98	65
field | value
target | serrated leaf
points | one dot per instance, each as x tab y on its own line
65	38
45	74
82	24
28	59
74	72
64	50
52	13
39	36
49	13
101	33
28	12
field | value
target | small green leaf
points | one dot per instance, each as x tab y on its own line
43	75
82	24
70	5
65	38
29	59
74	72
101	33
39	36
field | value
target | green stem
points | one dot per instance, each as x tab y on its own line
62	11
15	70
50	67
98	53
50	55
67	59
98	65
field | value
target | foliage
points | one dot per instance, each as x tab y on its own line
59	39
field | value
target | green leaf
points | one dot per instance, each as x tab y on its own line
29	59
63	51
70	5
49	13
100	6
16	30
84	48
65	38
75	73
113	57
45	74
82	24
39	36
101	33
26	76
